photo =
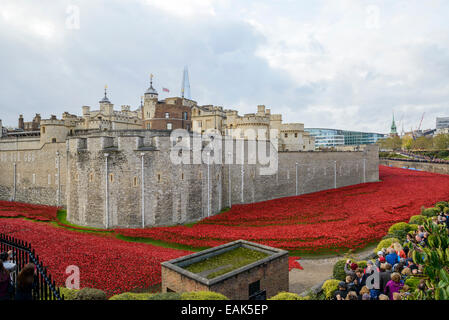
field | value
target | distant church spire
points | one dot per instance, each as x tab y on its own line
393	127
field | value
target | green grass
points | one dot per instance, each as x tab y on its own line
161	243
235	258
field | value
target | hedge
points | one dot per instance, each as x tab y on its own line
288	296
430	212
386	243
69	294
418	219
203	295
329	287
400	226
165	296
131	296
339	270
89	294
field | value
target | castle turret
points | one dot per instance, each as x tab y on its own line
106	107
21	122
149	103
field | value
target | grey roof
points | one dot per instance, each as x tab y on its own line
151	90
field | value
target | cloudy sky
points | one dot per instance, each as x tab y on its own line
342	64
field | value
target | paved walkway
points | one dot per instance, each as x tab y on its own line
317	270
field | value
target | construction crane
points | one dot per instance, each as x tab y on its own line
420	122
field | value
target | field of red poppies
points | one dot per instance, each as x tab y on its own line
105	263
349	217
32	211
332	220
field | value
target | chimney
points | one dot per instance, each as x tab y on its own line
21	123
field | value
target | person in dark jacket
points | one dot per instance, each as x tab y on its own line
5	282
25	283
385	276
341	293
360	279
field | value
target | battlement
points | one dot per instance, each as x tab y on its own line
292	127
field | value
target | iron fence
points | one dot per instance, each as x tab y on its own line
44	287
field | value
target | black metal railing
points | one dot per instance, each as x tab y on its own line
44	287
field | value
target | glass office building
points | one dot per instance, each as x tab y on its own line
335	137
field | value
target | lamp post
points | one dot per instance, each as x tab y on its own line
335	174
208	183
59	176
106	155
364	170
143	190
296	167
229	180
15	182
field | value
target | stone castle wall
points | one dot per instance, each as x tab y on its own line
425	166
34	168
171	193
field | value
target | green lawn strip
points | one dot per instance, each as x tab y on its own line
161	243
63	222
236	258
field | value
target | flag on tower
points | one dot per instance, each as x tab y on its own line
165	89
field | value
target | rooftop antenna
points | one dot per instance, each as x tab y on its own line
185	87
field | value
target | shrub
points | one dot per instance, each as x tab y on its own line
385	244
446	210
329	287
90	294
362	264
69	294
430	212
288	296
441	205
413	282
165	296
131	296
400	226
418	219
339	270
203	295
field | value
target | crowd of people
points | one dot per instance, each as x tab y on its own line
12	287
384	278
423	158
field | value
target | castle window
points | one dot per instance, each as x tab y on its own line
286	135
135	182
158	178
148	126
49	179
91	177
167	115
111	177
185	115
34	178
296	135
201	175
182	176
53	140
43	129
169	126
